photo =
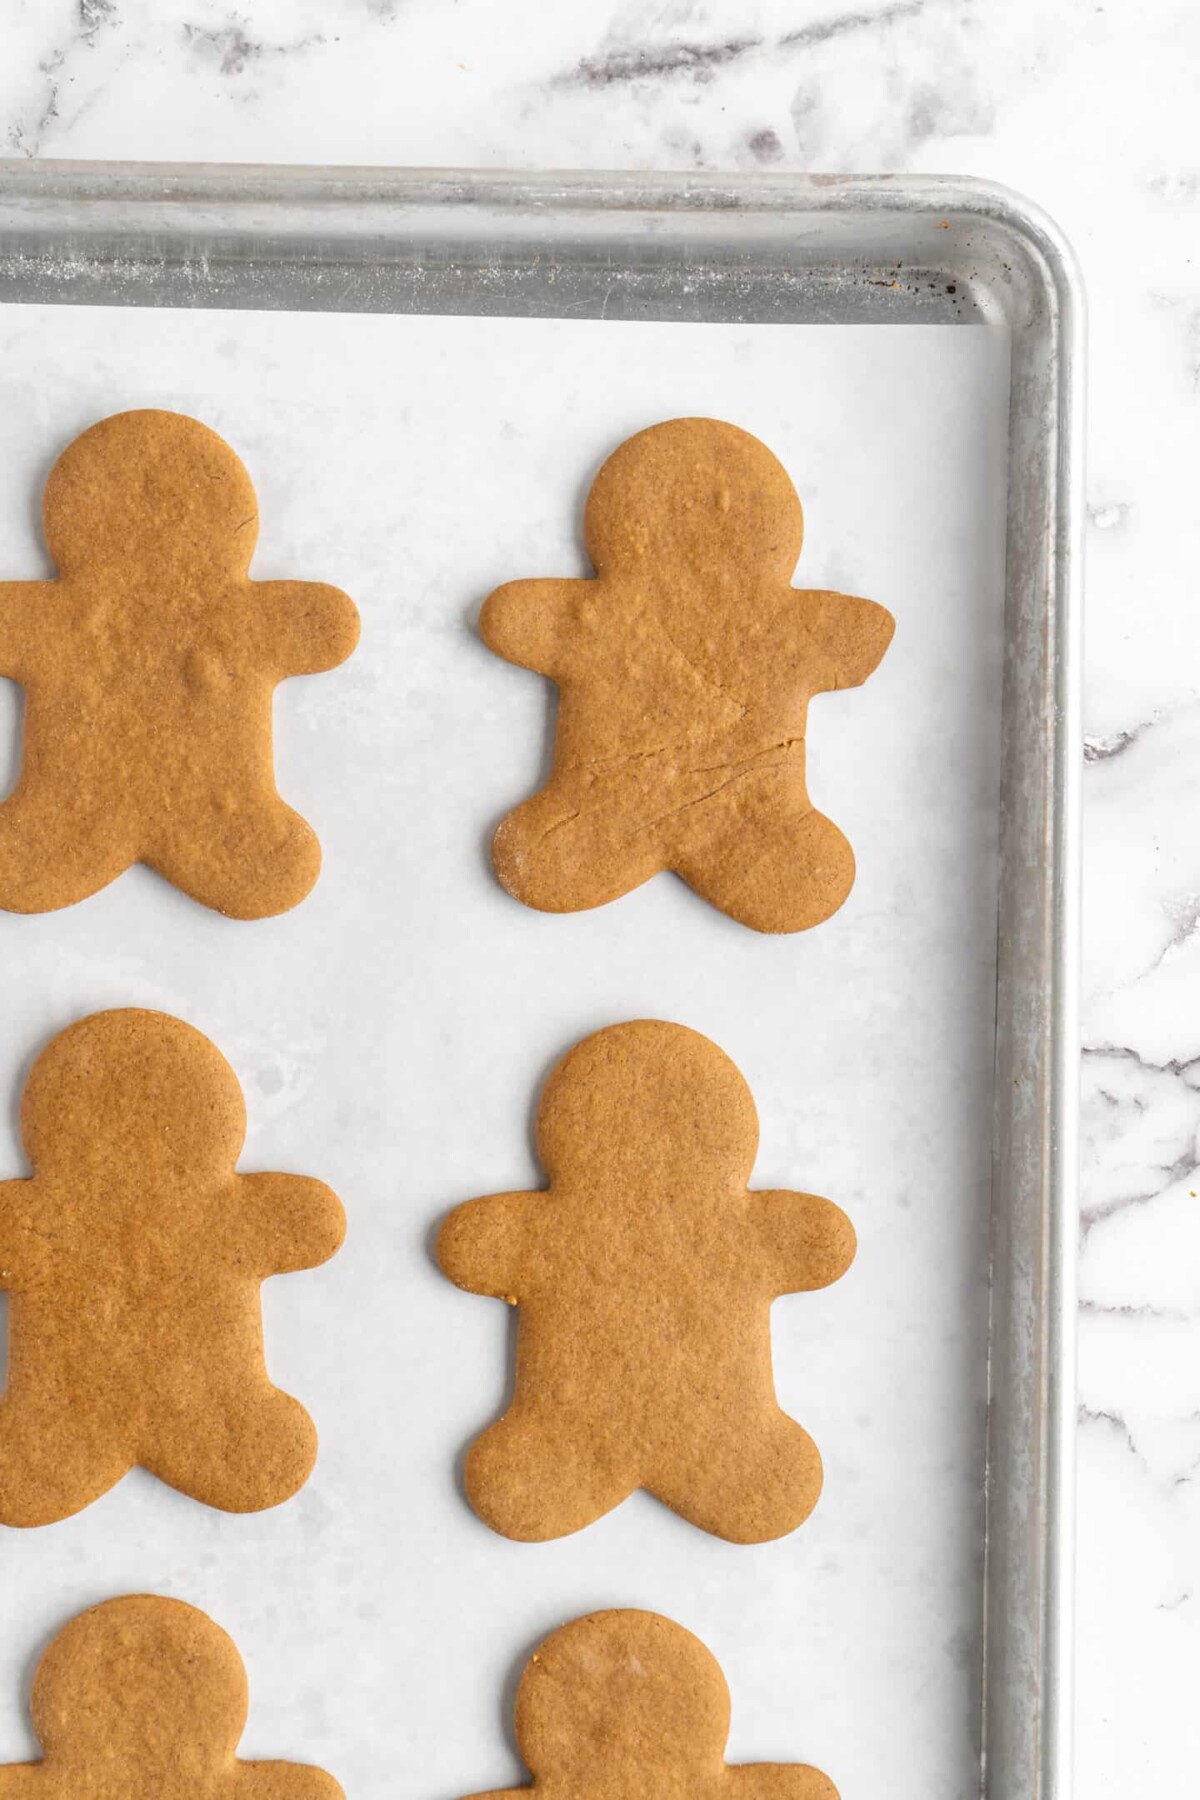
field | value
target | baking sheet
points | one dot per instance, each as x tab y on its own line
391	1033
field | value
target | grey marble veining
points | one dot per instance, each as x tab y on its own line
1087	107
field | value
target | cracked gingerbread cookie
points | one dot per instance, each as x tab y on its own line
149	668
684	672
145	1698
133	1260
644	1276
624	1703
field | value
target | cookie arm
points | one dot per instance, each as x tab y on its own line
14	1201
808	1242
851	634
481	1246
283	1781
22	1781
288	1222
778	1781
19	601
304	627
529	623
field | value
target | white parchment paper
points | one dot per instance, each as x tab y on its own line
391	1033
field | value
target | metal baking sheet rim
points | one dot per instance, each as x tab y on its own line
828	248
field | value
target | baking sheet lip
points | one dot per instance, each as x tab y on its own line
514	189
1040	294
603	190
1050	343
1064	1153
995	210
50	178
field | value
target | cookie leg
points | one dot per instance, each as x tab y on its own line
247	860
50	1468
534	1477
52	855
25	1781
243	1450
766	858
749	1485
572	847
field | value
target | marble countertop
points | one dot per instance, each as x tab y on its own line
1089	109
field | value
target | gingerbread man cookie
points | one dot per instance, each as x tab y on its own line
684	674
149	668
133	1260
145	1699
630	1706
644	1278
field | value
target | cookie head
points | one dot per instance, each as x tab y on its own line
150	491
694	495
132	1089
621	1690
644	1097
155	1681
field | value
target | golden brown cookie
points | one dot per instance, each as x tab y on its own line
145	1699
644	1277
684	673
624	1704
149	668
133	1260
